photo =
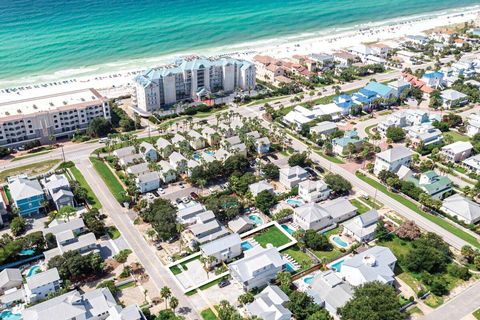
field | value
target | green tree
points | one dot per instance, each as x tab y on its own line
110	285
338	184
284	280
165	293
245	298
395	134
227	312
373	300
298	159
99	127
316	241
163	217
17	225
271	171
264	201
173	303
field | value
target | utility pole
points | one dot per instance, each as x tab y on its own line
63	154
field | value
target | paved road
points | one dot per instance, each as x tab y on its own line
462	305
145	253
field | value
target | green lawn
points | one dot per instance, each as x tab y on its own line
31	155
368	130
332	231
476	314
460	169
213	283
109	178
330	158
301	257
92	198
30	169
361	208
113	232
271	235
207	113
433	301
456	136
371	203
175	270
126	285
414	310
329	256
208	314
435	219
266	100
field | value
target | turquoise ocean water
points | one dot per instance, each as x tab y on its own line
81	36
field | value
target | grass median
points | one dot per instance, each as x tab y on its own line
91	197
30	169
409	204
109	178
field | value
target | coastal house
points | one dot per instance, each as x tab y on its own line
147	182
122	152
167	172
396	119
290	177
257	187
434	185
340	145
178	140
424	134
324	129
473	124
298	117
165	86
98	304
40	285
130	159
188	214
75	225
472	163
330	110
164	147
340	209
324	60
453	98
269	69
9	279
374	264
457	151
392	159
178	162
257	268
344	59
58	190
27	194
417	83
270	305
241	224
462	208
417	40
399	86
330	291
313	191
197	141
211	135
344	102
362	228
433	79
148	151
320	216
68	241
223	249
262	145
206	229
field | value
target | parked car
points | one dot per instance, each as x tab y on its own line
224	283
178	200
185	199
181	185
194	195
103	140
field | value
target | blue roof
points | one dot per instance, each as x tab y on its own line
435	74
363	99
378	88
343	142
366	92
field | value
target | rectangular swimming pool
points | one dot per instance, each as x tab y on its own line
246	245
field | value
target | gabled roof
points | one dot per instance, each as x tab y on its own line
295	170
22	188
379	88
372	264
339	207
452	95
40	279
395	154
328	287
57	226
8	275
458	147
255	259
221	244
463	207
268	304
312	212
256	188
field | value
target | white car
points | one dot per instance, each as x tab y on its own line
161	191
185	200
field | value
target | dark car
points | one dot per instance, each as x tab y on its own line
319	169
178	200
224	283
172	239
194	195
274	156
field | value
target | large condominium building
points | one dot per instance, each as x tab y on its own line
190	79
58	115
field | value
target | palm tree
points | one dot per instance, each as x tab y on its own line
151	233
165	293
201	184
180	228
173	303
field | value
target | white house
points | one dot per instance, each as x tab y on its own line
258	267
473	126
122	152
9	279
452	98
178	162
164	147
463	208
340	209
148	151
40	285
75	225
362	228
312	216
167	172
177	140
137	169
425	134
257	187
433	79
374	264
330	291
241	224
457	151
392	159
270	304
313	191
299	116
197	141
223	249
147	182
130	159
68	241
291	176
58	190
211	135
473	163
324	129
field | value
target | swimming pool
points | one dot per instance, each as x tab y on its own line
308	279
26	252
337	266
339	241
294	202
256	219
210	153
288	229
197	157
289	267
33	270
8	315
246	245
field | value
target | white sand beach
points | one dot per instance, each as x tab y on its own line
119	81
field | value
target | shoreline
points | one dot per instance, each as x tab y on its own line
118	79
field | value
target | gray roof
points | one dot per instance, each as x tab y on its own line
373	264
138	168
22	188
338	207
83	241
10	275
452	95
254	134
43	278
233	140
148	177
131	312
190	211
463	207
268	304
363	225
239	223
221	244
163	143
394	154
311	212
256	188
324	126
58	226
295	170
255	259
368	218
62	193
56	181
122	152
327	287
